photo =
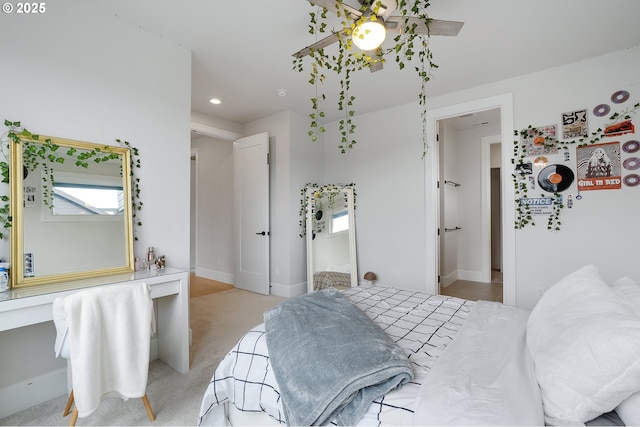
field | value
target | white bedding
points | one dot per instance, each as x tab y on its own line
422	325
486	376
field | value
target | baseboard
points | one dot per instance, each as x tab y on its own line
31	392
448	279
472	276
288	291
34	391
220	276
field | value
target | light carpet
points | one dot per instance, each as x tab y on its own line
217	322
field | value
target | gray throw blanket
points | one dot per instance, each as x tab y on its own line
329	359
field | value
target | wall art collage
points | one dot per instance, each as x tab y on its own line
605	159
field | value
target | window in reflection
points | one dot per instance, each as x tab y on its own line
339	221
77	199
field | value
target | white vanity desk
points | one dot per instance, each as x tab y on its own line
169	288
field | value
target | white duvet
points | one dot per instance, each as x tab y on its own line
486	376
469	358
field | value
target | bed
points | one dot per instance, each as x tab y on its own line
571	360
331	279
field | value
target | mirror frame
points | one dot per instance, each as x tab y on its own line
17	213
348	192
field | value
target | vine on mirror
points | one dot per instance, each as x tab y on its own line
45	154
330	191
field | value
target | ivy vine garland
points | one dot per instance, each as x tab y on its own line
349	60
330	191
44	154
524	215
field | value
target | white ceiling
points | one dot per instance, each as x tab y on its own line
241	49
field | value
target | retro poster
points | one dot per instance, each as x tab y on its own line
599	166
574	124
540	140
539	205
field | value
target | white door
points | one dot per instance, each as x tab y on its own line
251	212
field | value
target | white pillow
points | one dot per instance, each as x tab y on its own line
629	290
585	344
629	410
346	268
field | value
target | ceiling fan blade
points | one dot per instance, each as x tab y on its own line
320	44
335	7
378	65
437	27
387	7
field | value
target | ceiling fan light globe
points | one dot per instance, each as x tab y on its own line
369	35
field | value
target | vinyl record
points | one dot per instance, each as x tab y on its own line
555	178
631	146
632	163
601	110
620	96
631	180
541	162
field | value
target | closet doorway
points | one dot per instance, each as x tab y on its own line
458	184
470	220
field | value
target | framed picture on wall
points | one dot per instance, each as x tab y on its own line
574	124
599	166
29	197
540	140
29	270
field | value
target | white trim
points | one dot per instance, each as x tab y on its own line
485	213
219	276
195	205
432	205
34	391
448	279
288	291
505	103
471	275
214	132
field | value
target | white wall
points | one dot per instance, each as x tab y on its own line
388	171
307	167
387	167
81	73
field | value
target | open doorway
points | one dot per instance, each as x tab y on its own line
470	223
473	193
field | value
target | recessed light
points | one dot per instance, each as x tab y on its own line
282	92
215	101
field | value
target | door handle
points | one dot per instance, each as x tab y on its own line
264	233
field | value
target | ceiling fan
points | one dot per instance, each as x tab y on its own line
389	24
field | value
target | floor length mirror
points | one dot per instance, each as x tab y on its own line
331	239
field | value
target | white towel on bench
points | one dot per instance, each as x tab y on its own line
109	328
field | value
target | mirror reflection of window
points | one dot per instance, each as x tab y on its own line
39	231
339	221
75	199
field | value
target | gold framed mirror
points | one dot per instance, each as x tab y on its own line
71	212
